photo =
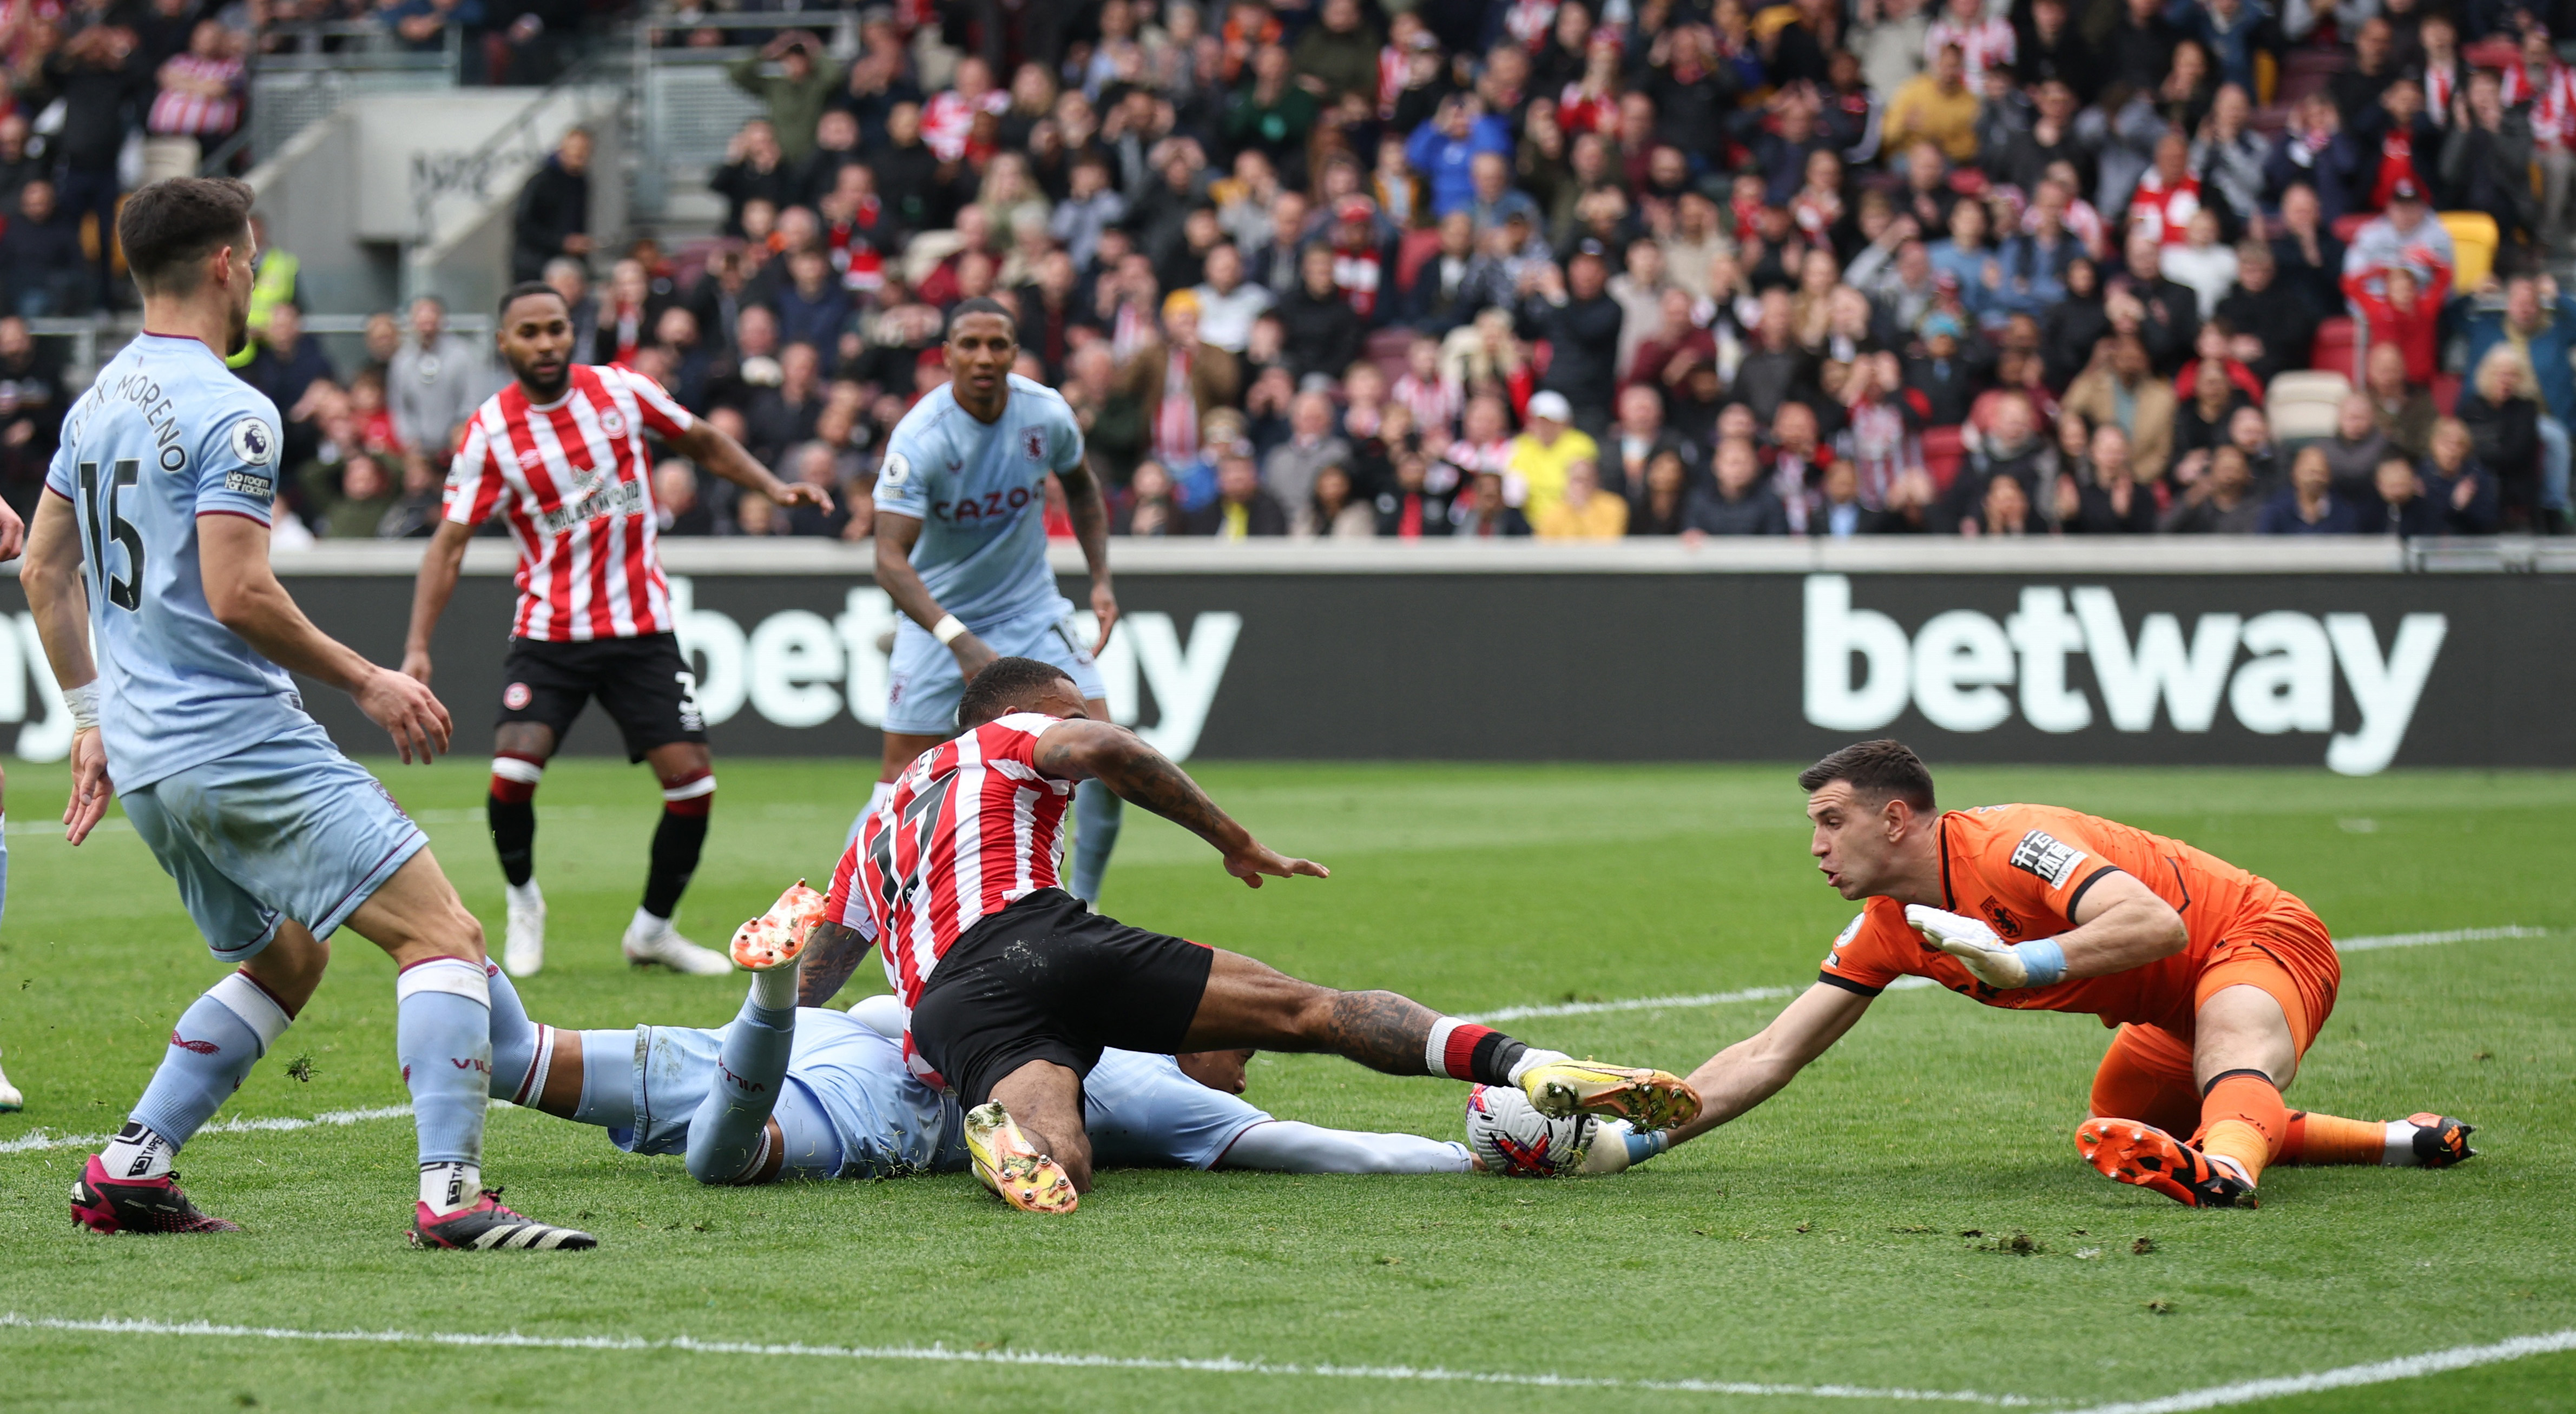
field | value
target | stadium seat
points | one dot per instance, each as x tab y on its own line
1943	454
2474	237
2497	52
2446	392
2349	225
1417	251
2333	350
2303	403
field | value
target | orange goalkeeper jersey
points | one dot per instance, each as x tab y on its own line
2021	869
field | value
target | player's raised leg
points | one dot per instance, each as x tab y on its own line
734	1138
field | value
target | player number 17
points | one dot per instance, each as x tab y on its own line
124	593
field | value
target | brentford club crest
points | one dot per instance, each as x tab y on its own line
1033	442
612	422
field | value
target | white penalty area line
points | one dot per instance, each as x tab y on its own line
37	1139
2406	1367
2366	943
948	1355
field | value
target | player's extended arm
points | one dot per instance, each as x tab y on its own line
1136	772
1089	513
708	446
2119	924
430	591
1757	1067
832	952
243	594
60	603
897	533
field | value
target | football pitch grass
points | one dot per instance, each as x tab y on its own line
1909	1218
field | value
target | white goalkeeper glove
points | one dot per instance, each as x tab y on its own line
1988	958
1616	1145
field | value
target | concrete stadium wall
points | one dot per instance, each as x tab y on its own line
2209	654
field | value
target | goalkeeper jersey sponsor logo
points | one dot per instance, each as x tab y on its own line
2044	854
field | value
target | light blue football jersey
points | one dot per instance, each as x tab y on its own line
165	435
889	1123
979	491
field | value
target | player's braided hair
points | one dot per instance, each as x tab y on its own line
1881	770
171	226
1004	684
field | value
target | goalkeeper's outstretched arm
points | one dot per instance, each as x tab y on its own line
1757	1067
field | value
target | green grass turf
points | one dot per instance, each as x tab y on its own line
1817	1241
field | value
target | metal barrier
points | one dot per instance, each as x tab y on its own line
691	110
95	341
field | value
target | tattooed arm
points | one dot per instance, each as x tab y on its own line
1119	759
832	952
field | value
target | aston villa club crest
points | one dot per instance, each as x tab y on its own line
1033	442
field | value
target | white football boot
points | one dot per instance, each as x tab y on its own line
10	1100
651	940
523	945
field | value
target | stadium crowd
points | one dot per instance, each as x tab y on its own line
1652	267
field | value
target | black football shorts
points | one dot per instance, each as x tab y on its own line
643	684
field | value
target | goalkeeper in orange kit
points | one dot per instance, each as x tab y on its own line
2216	978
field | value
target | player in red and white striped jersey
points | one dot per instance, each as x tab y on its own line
1014	987
560	455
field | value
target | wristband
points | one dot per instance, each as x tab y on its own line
2042	960
82	703
948	630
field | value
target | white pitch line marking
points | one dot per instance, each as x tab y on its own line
35	1140
941	1354
2404	1367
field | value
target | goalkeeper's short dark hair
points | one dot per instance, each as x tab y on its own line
1880	770
1004	684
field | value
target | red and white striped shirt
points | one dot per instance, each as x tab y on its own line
575	482
190	115
1987	44
970	829
948	120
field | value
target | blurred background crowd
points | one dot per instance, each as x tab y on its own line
1369	269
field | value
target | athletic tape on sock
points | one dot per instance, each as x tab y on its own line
533	1087
691	788
524	770
257	1009
1435	1051
453	975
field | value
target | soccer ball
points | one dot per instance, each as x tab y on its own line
1506	1131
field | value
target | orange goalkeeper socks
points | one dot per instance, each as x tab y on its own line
2242	1119
2328	1139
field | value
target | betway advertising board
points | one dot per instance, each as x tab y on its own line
1522	657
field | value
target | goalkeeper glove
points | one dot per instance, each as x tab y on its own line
1989	959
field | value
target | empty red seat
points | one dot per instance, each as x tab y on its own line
1418	249
2349	225
2333	350
2446	392
1943	454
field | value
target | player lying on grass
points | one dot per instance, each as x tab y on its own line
2217	979
787	1092
1014	988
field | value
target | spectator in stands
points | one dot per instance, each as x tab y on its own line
2399	504
2353	453
1289	471
2471	498
98	74
31	414
2403	410
1584	511
1936	107
285	366
2270	328
755	170
2120	390
2200	263
814	307
1486	514
41	259
201	89
796	94
2223	501
17	165
2110	501
570	278
2538	318
353	503
1332	510
552	217
1147	505
1538	460
678	509
435	382
1410	507
1320	331
1243	508
2503	421
1739	503
416	509
2309	506
2487	157
1227	303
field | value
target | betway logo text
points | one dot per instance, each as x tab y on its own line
1956	667
797	668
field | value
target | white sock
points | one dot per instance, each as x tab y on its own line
524	895
1534	1057
446	1187
645	925
775	989
137	1152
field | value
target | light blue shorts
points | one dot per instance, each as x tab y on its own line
1142	1112
922	683
287	829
